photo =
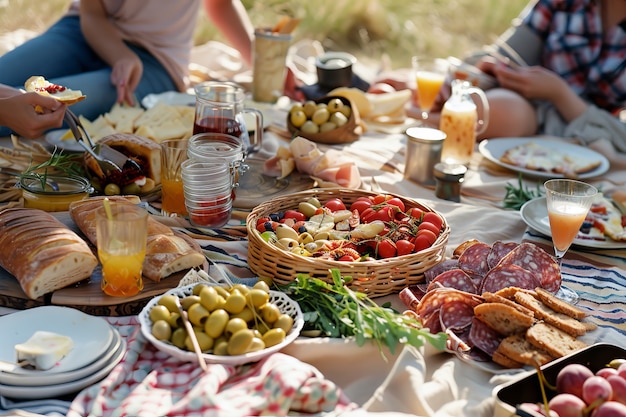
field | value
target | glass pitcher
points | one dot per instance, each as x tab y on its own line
459	120
220	109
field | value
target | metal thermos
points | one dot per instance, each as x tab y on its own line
423	151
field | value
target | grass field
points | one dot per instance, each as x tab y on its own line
366	28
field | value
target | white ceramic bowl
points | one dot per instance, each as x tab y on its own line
281	300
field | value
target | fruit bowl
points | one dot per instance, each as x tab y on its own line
527	390
350	131
281	300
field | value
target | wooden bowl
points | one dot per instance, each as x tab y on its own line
349	132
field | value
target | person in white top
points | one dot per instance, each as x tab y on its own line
121	50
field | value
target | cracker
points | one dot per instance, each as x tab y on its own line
553	340
518	348
542	311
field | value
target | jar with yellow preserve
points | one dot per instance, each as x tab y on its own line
53	192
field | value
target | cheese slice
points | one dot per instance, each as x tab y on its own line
44	349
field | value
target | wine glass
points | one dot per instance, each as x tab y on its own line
429	76
568	204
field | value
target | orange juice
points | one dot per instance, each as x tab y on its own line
173	196
565	221
121	273
458	122
428	86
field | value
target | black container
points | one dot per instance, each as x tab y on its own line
527	390
334	69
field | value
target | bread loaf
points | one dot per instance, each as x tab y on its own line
41	252
166	250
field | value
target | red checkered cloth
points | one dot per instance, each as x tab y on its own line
148	382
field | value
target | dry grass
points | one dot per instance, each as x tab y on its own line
367	28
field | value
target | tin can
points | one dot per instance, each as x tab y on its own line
449	178
423	151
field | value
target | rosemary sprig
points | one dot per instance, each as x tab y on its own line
516	196
58	162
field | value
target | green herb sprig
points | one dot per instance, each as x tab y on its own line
338	311
516	196
65	163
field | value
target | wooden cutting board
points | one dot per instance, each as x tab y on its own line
85	295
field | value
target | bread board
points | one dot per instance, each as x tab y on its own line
86	295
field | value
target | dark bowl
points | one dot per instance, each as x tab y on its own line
334	69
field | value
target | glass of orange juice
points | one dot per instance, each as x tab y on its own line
568	202
430	75
173	154
122	233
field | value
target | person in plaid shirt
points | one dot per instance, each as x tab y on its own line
561	70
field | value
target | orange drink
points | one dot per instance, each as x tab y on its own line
565	221
459	125
173	196
428	86
173	154
122	233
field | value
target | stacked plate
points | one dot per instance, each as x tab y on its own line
98	347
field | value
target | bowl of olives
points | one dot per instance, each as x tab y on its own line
330	120
234	325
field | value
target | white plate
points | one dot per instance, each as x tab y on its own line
37	379
535	214
91	335
173	98
493	149
284	303
53	138
50	391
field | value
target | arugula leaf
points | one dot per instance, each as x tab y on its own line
338	311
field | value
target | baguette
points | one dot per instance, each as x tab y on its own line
167	251
41	252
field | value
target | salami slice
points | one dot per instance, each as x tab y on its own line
484	337
499	249
509	275
441	267
534	259
454	278
473	260
456	316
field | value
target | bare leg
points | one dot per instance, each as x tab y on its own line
509	115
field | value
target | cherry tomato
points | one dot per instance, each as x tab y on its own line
433	218
415	212
335	204
429	234
404	247
361	205
395	201
421	242
294	214
429	226
386	249
381	198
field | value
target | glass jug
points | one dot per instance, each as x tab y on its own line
220	109
459	120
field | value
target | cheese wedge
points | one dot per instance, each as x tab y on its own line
44	349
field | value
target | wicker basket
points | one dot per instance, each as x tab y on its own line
375	278
347	133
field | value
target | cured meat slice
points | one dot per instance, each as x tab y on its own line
456	316
454	278
509	275
499	249
436	298
463	247
441	267
484	337
473	260
534	259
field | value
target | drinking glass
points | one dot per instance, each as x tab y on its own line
568	203
429	76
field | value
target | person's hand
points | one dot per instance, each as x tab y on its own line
125	76
18	112
534	82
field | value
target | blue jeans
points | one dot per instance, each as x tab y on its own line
63	56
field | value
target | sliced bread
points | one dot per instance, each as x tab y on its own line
559	305
503	360
504	319
521	350
542	311
553	340
495	298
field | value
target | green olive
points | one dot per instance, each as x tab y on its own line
234	325
220	348
235	303
216	323
240	342
131	189
161	330
209	298
197	288
269	313
148	186
274	336
262	327
112	189
198	315
204	341
178	337
244	289
189	300
285	322
256	345
169	301
159	312
257	297
175	320
616	363
307	208
246	315
222	291
261	285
